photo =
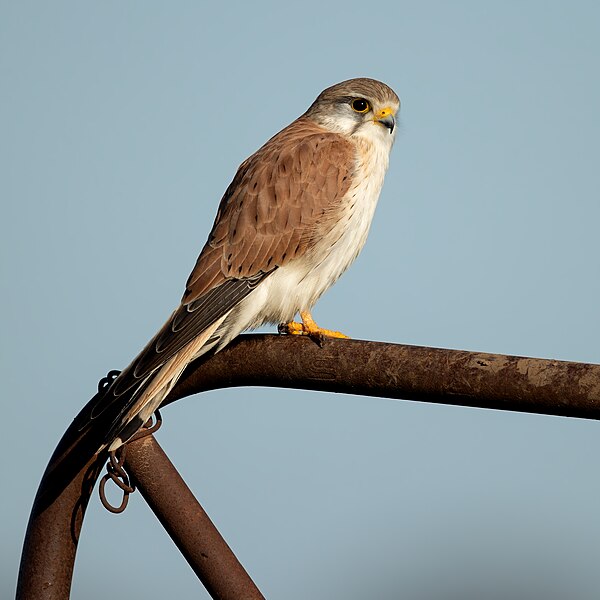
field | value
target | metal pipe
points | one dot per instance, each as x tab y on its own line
438	375
52	536
186	522
352	366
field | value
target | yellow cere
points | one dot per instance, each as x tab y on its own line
384	112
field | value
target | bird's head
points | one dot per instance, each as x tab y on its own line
358	107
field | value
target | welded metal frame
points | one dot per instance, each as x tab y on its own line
347	366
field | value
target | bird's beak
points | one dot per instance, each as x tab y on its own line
385	116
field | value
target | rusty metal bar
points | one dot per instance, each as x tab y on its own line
351	366
186	522
52	536
456	377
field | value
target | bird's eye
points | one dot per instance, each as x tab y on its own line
360	105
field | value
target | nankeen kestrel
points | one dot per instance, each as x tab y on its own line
295	216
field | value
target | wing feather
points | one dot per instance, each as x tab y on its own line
272	212
277	199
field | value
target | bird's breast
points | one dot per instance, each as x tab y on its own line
299	284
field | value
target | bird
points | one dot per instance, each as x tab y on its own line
294	217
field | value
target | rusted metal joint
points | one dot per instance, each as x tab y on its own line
115	467
116	473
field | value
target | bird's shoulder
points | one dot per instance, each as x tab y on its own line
302	144
269	212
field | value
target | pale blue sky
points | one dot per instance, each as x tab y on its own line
121	125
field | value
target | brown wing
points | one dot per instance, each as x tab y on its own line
269	213
267	217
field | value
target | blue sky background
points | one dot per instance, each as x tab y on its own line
122	124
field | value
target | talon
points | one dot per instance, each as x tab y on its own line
310	328
333	334
292	328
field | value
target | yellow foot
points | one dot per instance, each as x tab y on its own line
310	328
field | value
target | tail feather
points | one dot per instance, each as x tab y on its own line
150	393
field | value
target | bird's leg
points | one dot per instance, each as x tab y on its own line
313	330
309	327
